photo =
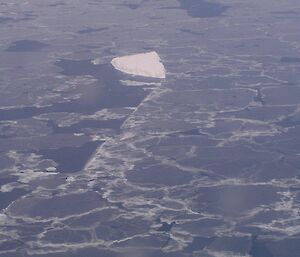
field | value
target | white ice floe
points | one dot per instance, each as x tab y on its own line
144	64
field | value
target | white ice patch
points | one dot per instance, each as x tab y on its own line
96	61
144	64
51	169
132	83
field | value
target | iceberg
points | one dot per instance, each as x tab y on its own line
144	64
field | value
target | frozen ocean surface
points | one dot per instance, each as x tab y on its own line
203	161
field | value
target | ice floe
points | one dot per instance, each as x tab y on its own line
144	64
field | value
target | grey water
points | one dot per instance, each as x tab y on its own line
202	8
25	46
70	159
109	93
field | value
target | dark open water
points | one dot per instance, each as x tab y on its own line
205	163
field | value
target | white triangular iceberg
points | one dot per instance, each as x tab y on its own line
144	64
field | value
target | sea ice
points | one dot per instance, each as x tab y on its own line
144	64
51	169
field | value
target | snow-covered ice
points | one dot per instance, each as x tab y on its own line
144	64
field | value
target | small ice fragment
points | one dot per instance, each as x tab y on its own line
78	134
70	179
96	61
144	64
7	188
51	169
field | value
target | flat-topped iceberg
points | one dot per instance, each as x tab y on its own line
144	64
